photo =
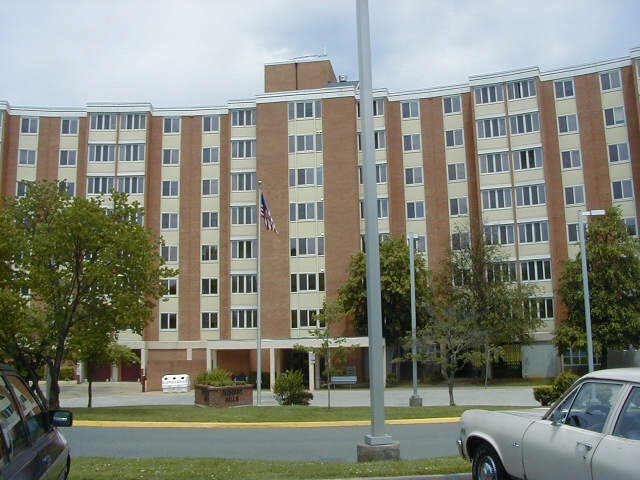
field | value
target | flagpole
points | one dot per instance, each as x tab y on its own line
258	311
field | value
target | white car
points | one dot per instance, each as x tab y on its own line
592	432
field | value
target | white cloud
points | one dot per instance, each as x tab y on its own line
198	52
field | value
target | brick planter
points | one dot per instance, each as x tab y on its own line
231	396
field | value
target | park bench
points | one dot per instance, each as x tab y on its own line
344	380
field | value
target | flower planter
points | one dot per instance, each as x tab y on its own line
229	396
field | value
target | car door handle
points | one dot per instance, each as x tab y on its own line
587	446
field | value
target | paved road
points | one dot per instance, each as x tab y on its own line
334	444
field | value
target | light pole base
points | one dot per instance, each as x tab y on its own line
415	401
371	453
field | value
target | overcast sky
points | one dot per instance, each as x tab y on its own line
206	52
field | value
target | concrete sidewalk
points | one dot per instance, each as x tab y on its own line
112	394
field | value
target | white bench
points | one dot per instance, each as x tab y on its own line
344	380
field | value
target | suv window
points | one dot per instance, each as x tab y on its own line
33	415
13	433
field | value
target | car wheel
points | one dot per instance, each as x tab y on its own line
487	464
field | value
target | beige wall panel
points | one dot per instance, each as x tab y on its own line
173	140
211	334
616	134
534	249
492	144
29	141
494	180
535	175
489	110
568	142
612	98
497	216
532	212
522	105
456	155
102	136
128	168
452	122
410	126
69	142
563	107
525	140
132	136
244	334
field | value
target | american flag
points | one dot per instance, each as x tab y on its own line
265	213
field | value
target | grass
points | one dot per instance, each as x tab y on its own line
251	414
97	468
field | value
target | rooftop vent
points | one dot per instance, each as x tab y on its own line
342	78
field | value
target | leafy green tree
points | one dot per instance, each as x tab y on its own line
395	286
78	262
613	257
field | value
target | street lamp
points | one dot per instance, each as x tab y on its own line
415	400
585	281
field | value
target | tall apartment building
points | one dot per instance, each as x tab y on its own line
516	155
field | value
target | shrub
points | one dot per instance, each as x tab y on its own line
218	377
563	382
289	389
545	394
67	373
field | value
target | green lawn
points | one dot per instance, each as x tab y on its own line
95	468
250	414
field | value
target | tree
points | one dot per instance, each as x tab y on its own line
79	262
613	257
395	286
331	349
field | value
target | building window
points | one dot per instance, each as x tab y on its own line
170	287
243	182
571	159
568	123
572	232
102	153
302	110
415	210
133	152
131	184
244	283
169	253
301	247
211	123
528	195
543	308
306	211
305	319
521	89
492	127
243	148
243	215
168	321
243	249
420	243
622	189
169	221
172	125
69	126
70	187
454	138
614	116
411	142
210	155
494	162
209	320
99	185
21	188
103	121
410	109
413	176
534	232
535	270
210	186
499	234
299	177
134	121
305	143
379	140
452	104
307	282
574	195
525	123
458	206
564	88
244	318
610	80
460	240
496	198
618	152
382	207
632	226
209	219
170	156
456	172
378	107
501	271
527	159
26	157
488	94
170	188
209	253
209	286
243	118
381	174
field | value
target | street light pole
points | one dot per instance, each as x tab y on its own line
415	400
585	282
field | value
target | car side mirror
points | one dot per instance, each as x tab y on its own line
61	418
558	417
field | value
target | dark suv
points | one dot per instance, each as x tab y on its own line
31	447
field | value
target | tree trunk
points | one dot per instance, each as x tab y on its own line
89	393
450	382
328	379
